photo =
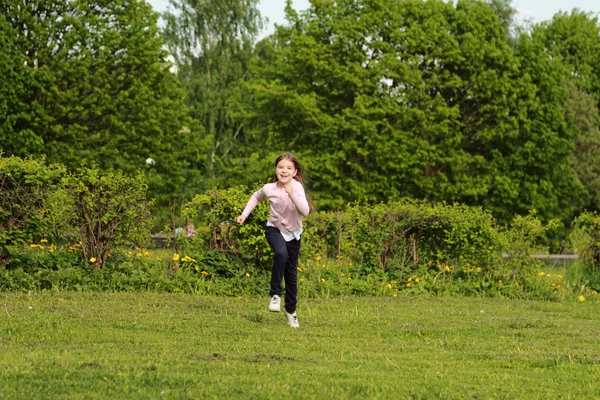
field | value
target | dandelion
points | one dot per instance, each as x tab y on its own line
318	258
204	273
299	269
342	274
93	259
44	241
478	269
138	255
146	253
416	280
196	268
594	293
247	275
322	279
541	273
239	297
395	295
175	257
581	298
301	279
389	286
349	278
408	285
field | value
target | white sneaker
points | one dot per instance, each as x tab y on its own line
292	319
275	304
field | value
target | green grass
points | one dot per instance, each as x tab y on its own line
130	346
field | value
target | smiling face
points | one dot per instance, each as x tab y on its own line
285	171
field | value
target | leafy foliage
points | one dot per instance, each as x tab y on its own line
88	82
416	99
25	185
110	210
212	43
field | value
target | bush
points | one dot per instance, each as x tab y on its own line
586	242
25	185
110	210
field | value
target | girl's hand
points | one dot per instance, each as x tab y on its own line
240	220
289	189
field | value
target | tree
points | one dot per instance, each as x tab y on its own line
90	85
574	40
418	99
212	43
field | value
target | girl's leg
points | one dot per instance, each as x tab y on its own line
277	243
291	276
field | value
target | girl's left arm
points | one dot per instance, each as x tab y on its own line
299	198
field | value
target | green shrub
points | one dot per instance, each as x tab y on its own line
586	242
218	209
109	210
25	185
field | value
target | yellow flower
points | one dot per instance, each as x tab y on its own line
395	295
196	268
349	278
541	273
478	269
408	285
175	257
416	280
43	241
93	259
247	275
594	293
581	299
389	286
239	297
322	279
299	269
138	255
318	258
301	279
342	274
204	273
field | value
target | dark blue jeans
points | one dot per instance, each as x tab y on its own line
285	264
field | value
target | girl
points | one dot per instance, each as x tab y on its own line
289	204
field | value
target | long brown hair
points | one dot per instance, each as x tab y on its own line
299	175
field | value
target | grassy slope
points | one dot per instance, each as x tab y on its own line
175	346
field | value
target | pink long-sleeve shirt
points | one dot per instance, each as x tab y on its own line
286	211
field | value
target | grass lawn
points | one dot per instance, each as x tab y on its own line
130	346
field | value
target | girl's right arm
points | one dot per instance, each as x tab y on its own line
254	200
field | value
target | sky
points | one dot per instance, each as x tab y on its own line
534	10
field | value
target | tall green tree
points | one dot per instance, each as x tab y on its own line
417	99
212	42
88	83
573	39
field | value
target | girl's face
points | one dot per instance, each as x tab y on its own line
285	171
